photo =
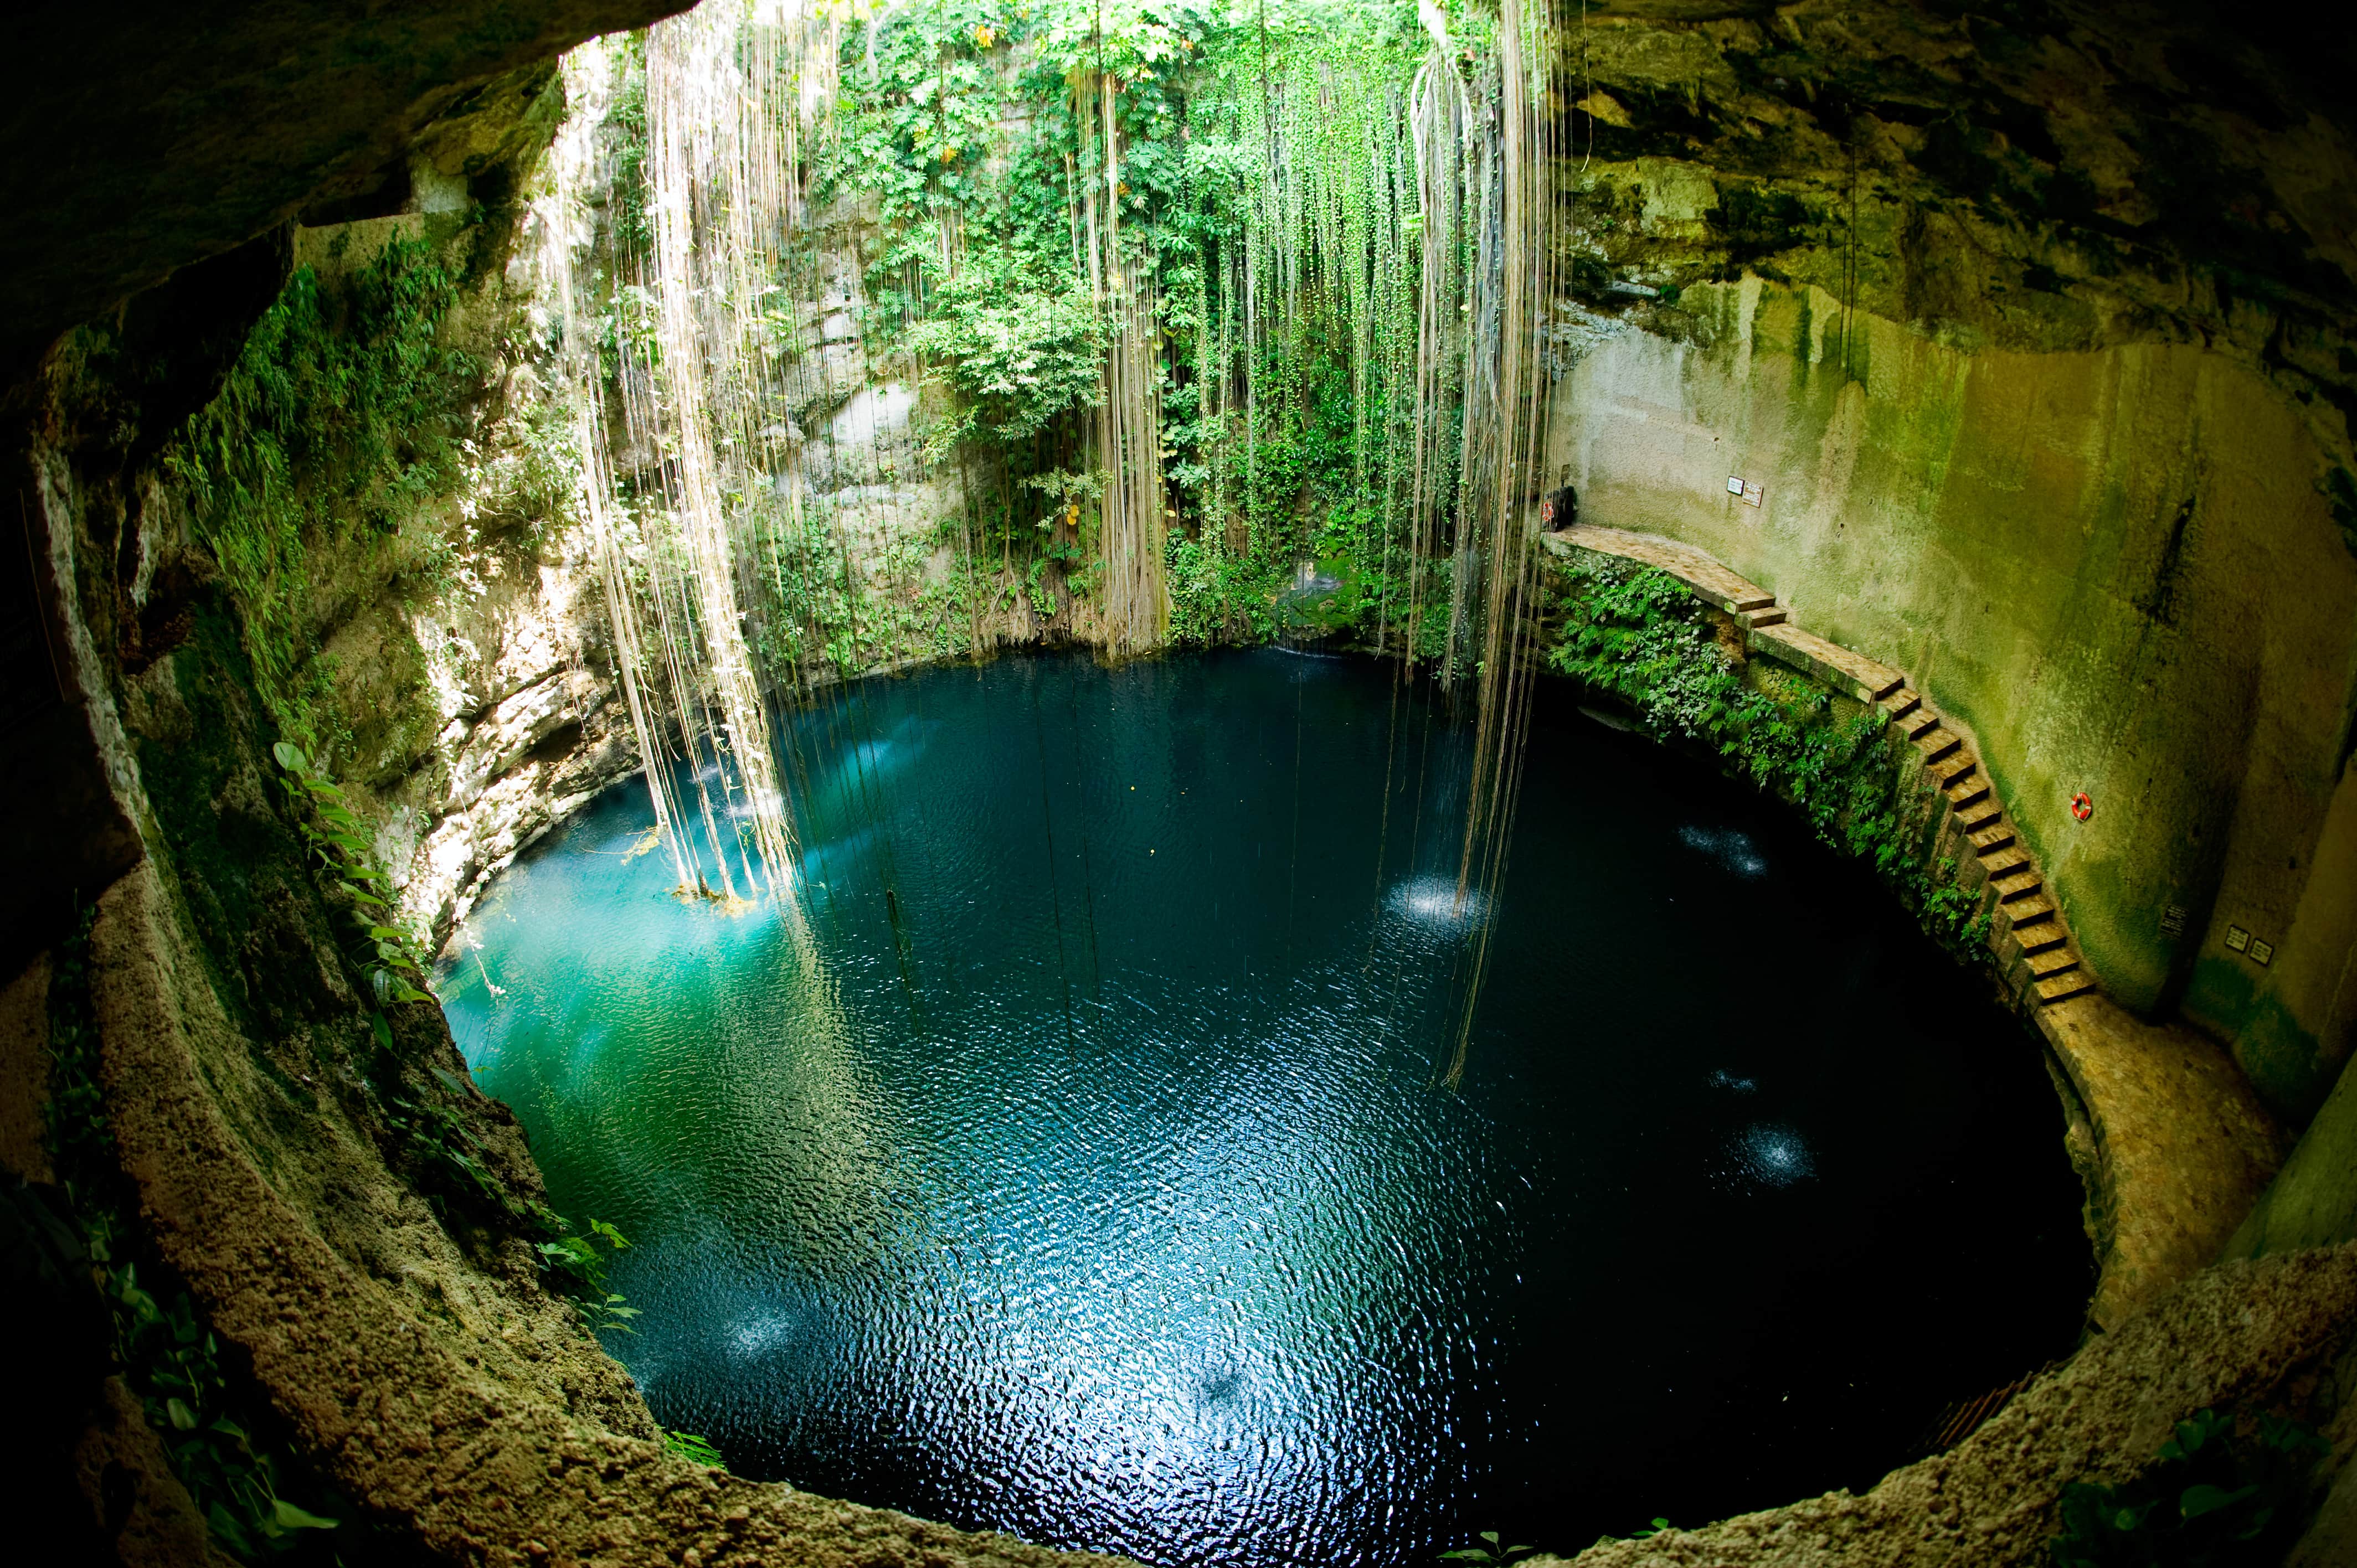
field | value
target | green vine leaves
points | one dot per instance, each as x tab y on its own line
386	954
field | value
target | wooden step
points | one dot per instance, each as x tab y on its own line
2051	960
1968	792
1981	812
1995	836
2004	860
1939	743
1901	703
2021	885
1951	767
2042	938
2068	984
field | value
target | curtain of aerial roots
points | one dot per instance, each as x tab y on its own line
561	236
1507	378
1329	236
725	103
1444	328
1128	418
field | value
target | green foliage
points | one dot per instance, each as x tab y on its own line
233	1482
1217	596
432	1133
167	1353
819	607
429	1126
634	227
2216	1498
1636	634
386	954
342	417
982	272
691	1447
575	1266
1485	1556
1022	342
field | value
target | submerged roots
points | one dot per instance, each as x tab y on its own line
703	892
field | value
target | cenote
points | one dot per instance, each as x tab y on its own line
1081	1164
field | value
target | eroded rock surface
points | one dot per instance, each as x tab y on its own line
2273	1335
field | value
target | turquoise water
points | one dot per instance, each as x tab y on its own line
1080	1167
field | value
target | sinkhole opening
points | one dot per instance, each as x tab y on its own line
1081	1163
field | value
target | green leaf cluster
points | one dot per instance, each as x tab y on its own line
232	1481
1493	1553
160	1341
2217	1496
1637	635
1021	341
342	417
814	607
691	1447
389	961
385	955
575	1266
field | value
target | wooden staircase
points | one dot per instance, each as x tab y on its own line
2025	928
2026	933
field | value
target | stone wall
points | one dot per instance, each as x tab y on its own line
2037	335
2114	565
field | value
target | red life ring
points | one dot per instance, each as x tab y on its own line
2082	807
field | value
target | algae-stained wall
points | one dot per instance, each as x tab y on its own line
2114	565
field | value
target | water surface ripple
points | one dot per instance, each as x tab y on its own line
1082	1171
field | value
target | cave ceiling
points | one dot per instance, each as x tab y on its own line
2041	175
144	137
2030	176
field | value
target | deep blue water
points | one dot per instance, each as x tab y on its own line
1082	1169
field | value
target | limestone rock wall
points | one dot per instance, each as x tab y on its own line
2112	564
2275	1335
2038	347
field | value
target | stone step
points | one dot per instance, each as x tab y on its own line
2004	859
1920	723
1951	767
2051	960
2044	937
1940	743
1995	836
2029	911
1901	703
1983	814
1862	678
2021	885
2068	984
1968	792
1703	575
1772	615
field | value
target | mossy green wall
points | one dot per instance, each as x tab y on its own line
2114	565
2312	1202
